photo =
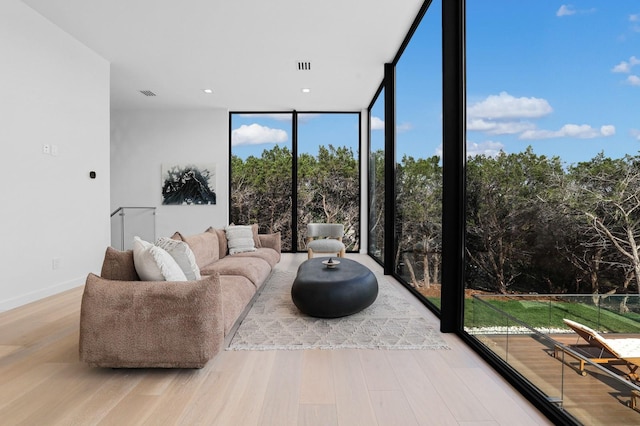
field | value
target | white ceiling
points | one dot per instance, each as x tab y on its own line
245	50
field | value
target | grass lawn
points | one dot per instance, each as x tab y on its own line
547	313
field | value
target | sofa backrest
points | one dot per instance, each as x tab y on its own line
118	265
205	247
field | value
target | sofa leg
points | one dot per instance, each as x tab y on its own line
309	254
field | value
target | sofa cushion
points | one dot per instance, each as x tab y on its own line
240	238
204	246
237	292
222	240
269	255
183	255
271	241
254	268
153	263
118	265
256	238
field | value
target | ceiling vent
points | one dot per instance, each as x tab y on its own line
147	93
304	66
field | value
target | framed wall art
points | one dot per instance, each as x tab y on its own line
188	184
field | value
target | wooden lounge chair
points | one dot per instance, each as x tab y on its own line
615	351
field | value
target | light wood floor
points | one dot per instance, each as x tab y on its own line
43	383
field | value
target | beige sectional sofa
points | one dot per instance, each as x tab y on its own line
128	323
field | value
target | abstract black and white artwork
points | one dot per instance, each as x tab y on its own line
189	184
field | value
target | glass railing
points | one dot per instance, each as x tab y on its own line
591	385
127	222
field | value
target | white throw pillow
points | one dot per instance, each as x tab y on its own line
183	255
154	264
239	238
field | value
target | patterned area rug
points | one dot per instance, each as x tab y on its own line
274	323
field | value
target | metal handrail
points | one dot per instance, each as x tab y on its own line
122	208
121	211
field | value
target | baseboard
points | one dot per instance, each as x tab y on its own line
33	296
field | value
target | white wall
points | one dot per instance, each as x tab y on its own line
53	90
143	140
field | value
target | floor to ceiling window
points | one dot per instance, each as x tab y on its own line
418	172
552	189
326	185
329	173
261	172
376	178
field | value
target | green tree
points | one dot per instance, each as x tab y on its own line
419	222
510	201
607	193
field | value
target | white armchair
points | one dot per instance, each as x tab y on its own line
325	238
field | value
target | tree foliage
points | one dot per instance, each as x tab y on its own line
533	225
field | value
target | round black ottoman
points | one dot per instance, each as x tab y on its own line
324	292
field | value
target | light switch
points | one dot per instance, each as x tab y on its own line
54	150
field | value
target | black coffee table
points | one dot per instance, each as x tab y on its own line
324	292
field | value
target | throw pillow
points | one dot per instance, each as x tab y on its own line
182	254
154	264
239	238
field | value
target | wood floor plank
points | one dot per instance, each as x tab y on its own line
248	393
316	383
391	408
454	392
422	395
282	398
317	415
377	370
494	398
353	404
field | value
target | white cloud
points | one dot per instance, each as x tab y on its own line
608	130
255	134
566	10
579	131
634	18
377	123
488	149
505	106
635	133
404	127
499	127
625	67
633	80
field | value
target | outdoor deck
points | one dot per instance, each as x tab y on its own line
595	398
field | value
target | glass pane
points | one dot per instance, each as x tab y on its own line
552	190
376	180
261	162
418	221
329	174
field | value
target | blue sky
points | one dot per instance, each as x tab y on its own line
561	77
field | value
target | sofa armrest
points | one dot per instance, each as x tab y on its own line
139	324
271	241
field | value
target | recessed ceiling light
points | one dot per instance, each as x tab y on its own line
207	91
306	90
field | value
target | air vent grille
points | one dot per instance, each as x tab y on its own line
304	66
147	93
